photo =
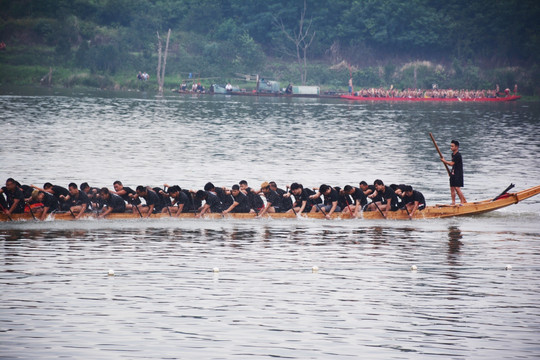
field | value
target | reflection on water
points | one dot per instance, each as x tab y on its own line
266	301
165	301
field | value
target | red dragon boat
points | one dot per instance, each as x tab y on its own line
496	99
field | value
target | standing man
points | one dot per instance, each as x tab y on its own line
350	86
456	175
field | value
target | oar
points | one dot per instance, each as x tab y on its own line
504	192
166	205
31	211
320	209
348	207
294	211
440	154
138	210
4	211
378	208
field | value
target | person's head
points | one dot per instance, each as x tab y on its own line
41	196
174	190
454	145
235	190
379	185
47	186
265	187
85	187
118	185
209	187
348	189
104	193
11	184
141	190
407	190
73	190
324	189
363	185
296	189
273	185
201	195
243	184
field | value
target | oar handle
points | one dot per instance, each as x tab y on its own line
440	154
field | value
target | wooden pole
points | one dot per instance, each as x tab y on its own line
440	154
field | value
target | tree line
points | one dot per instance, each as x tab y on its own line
241	35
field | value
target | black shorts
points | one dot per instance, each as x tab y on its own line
456	181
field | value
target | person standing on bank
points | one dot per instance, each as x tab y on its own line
456	175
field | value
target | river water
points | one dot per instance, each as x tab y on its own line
165	301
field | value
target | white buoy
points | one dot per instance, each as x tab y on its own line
414	267
111	272
508	267
216	269
315	268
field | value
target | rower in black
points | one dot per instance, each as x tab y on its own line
413	200
50	204
14	197
240	203
180	201
302	201
331	199
212	205
78	201
273	200
286	202
126	193
386	199
153	202
112	203
358	199
255	201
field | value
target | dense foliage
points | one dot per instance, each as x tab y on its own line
213	37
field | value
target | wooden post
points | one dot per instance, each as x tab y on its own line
160	69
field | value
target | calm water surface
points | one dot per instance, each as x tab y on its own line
56	300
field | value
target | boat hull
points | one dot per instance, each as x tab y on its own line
500	99
435	211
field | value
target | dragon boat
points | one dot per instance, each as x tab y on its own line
452	99
433	211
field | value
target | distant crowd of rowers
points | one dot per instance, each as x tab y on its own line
240	198
435	93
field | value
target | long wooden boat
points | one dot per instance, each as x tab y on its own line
434	211
497	99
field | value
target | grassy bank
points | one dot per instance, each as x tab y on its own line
27	66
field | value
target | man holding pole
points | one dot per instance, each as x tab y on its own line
456	174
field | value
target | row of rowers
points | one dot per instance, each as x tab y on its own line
240	198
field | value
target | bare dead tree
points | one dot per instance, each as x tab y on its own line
302	40
161	67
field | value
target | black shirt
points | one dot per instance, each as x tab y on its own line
116	203
332	197
130	191
79	199
243	203
273	198
456	179
416	196
59	190
388	194
182	199
12	196
286	203
213	201
225	199
360	196
152	198
49	201
255	201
